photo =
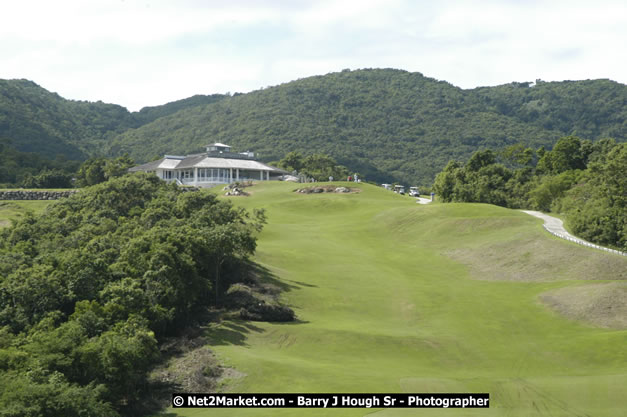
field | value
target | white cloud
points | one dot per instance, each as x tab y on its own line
147	52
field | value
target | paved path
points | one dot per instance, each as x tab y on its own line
556	227
421	200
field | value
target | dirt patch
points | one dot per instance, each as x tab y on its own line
535	259
190	364
318	189
193	371
603	305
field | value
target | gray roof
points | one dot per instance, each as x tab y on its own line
204	161
191	161
150	166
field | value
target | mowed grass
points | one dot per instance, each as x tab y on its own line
387	304
14	209
393	296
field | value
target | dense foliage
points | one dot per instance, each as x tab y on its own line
585	181
37	120
42	132
43	122
32	170
148	114
389	125
320	167
97	170
88	289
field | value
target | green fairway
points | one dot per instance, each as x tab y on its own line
394	296
13	209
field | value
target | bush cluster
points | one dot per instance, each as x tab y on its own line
88	290
585	181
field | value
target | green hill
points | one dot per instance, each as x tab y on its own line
388	124
33	119
392	296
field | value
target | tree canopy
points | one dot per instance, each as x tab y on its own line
320	167
585	181
89	288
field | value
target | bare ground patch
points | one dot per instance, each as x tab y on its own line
535	259
189	366
603	305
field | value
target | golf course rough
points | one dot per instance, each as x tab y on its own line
393	296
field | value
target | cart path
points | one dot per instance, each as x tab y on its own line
556	227
421	200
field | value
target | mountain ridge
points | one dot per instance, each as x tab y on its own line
387	124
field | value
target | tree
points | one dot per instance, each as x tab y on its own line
91	172
117	167
48	179
228	240
293	161
518	155
567	154
97	170
481	159
322	166
445	182
550	189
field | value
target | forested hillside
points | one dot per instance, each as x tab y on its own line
40	130
388	124
33	119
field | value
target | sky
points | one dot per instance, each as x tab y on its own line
148	52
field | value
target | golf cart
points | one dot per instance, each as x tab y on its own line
399	189
413	192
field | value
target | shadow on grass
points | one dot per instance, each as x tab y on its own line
265	276
303	284
291	323
232	332
211	327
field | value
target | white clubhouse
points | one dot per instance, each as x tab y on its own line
216	166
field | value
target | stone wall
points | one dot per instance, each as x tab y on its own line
34	195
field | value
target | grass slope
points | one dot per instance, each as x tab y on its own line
13	209
385	308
